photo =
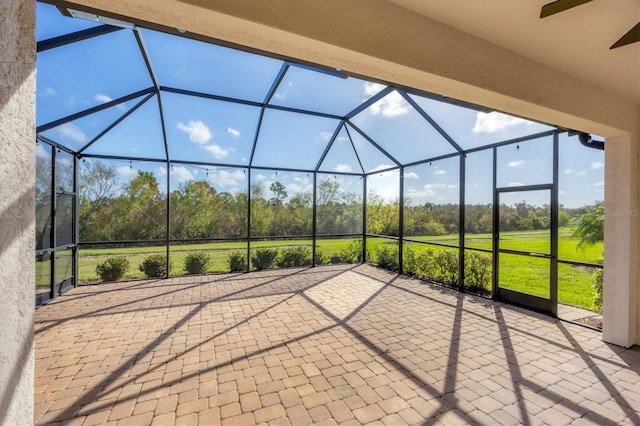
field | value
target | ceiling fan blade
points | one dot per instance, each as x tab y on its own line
560	6
632	36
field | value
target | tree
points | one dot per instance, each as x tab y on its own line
590	226
192	207
279	193
97	186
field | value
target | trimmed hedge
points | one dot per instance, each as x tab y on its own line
113	269
154	266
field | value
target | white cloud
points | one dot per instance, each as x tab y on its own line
345	168
261	177
217	151
181	174
411	175
575	172
296	189
516	163
515	184
435	185
382	167
198	132
324	136
601	183
126	171
597	165
440	172
301	180
101	97
233	132
494	122
227	178
387	192
371	89
65	162
392	105
282	93
562	192
73	132
42	153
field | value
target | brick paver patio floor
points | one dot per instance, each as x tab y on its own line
326	345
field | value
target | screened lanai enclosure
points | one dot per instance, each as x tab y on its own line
161	153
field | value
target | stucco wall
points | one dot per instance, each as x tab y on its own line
17	212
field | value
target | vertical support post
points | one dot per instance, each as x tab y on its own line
461	221
553	285
168	217
314	227
364	219
54	210
496	228
401	222
248	219
76	222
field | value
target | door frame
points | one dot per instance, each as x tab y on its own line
536	303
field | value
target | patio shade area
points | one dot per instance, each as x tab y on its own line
341	344
178	151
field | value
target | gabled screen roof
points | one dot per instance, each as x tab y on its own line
141	94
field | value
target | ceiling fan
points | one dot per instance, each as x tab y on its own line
632	36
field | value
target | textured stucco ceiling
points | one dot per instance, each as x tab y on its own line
575	41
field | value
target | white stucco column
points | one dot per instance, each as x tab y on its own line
621	285
17	213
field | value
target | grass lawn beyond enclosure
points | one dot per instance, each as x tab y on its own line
520	273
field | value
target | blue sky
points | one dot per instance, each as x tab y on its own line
89	73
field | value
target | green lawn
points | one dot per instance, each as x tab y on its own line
529	274
521	273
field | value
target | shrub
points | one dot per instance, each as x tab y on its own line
448	267
112	269
154	266
409	261
425	266
353	253
263	258
197	263
321	258
237	261
597	280
387	257
437	266
294	256
477	272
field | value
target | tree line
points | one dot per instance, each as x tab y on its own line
137	210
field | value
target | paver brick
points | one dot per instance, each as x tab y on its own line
122	409
369	413
398	359
265	415
339	411
193	406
